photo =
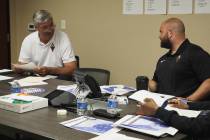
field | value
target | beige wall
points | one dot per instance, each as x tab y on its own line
126	45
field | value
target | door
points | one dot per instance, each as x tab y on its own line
4	35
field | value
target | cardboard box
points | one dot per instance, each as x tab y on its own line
22	103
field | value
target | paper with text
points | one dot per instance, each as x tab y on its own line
116	89
184	112
158	98
144	124
180	6
89	124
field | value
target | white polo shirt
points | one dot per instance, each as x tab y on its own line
53	54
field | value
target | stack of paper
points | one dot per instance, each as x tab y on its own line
32	81
148	125
5	70
89	124
68	88
5	77
116	89
29	66
158	98
184	112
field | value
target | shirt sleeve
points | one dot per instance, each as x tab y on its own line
199	126
200	61
204	105
25	51
67	51
155	77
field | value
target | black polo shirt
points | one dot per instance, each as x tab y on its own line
182	73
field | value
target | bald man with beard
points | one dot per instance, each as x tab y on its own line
184	71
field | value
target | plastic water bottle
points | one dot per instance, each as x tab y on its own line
15	87
112	105
81	106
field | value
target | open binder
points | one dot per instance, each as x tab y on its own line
144	124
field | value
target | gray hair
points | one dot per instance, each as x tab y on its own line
41	16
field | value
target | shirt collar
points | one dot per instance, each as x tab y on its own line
51	41
180	49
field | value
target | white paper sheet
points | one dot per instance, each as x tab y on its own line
116	89
180	6
68	88
5	77
202	6
23	97
158	98
132	7
114	136
28	66
89	124
50	77
184	112
155	7
5	70
148	125
32	81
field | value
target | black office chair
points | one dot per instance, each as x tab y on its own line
102	76
77	59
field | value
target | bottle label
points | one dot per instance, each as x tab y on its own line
82	105
15	90
112	103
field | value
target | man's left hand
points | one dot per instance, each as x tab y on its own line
148	108
42	71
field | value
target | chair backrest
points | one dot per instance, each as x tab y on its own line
77	59
102	76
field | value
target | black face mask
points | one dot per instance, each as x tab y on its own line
165	44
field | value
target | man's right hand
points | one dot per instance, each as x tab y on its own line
179	103
16	69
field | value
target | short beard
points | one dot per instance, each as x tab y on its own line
166	44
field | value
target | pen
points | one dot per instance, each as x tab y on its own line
176	100
183	100
164	104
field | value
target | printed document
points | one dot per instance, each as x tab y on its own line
89	124
158	98
68	88
116	89
32	81
184	112
144	124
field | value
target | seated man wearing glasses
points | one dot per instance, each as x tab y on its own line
48	49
